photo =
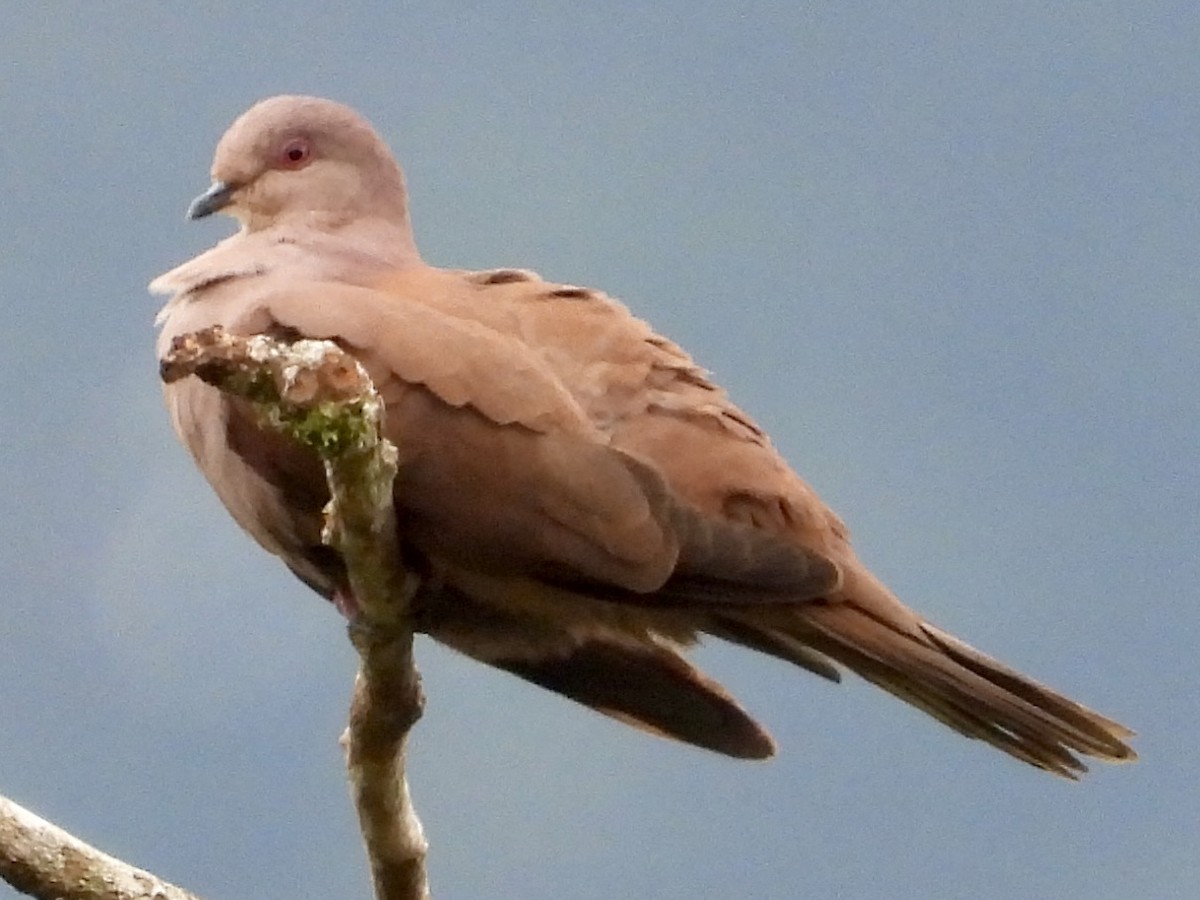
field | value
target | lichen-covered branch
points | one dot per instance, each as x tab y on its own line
43	861
320	396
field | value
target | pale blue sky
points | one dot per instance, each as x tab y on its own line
945	252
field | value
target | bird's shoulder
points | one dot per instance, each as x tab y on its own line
614	363
643	391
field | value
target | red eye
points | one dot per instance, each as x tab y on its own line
295	154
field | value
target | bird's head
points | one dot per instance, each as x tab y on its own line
293	157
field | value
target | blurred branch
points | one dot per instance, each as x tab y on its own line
320	396
43	861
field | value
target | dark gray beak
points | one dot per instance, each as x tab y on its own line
216	198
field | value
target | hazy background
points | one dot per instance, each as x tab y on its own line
945	252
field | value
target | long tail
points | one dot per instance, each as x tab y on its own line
976	695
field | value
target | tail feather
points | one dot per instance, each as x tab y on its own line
953	682
774	643
651	688
1000	674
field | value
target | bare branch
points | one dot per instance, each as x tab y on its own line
43	861
320	396
387	702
